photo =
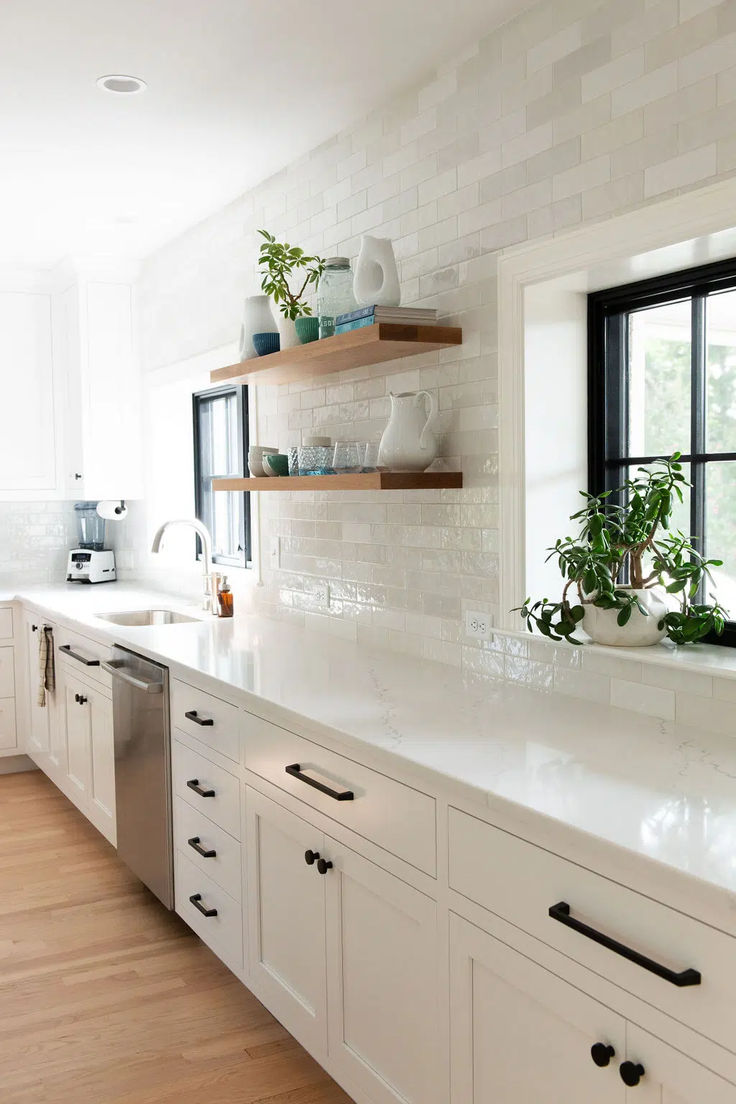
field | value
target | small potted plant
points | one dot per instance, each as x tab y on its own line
278	263
630	580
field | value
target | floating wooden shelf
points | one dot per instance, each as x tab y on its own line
374	344
359	481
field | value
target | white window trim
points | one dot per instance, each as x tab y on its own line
674	234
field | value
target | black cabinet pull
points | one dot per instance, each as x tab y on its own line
196	899
80	699
196	845
67	650
339	795
631	1073
205	722
193	784
324	865
561	913
310	857
602	1053
34	628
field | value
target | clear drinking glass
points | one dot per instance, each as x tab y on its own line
346	457
369	456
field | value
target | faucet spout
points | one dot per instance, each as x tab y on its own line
206	539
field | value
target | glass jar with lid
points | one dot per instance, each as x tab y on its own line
334	293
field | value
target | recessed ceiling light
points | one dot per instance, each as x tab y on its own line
121	84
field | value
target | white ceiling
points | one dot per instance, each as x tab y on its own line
236	90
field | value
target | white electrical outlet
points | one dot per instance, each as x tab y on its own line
321	593
478	625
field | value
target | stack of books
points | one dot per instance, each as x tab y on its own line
366	316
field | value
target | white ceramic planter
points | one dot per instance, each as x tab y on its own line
640	631
287	333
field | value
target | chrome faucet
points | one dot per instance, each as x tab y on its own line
209	599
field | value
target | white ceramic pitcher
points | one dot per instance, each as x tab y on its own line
408	443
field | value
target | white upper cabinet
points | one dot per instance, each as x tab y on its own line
28	441
71	387
94	325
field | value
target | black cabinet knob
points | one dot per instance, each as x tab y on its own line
324	865
34	628
310	857
602	1053
631	1073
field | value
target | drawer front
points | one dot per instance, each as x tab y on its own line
6	624
206	787
7	674
521	883
194	833
8	737
83	656
222	932
396	817
214	722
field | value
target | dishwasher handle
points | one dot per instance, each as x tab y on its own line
117	668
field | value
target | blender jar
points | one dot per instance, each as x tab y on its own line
91	526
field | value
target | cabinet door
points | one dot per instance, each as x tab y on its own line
286	919
669	1076
382	983
520	1033
102	777
28	438
39	727
78	739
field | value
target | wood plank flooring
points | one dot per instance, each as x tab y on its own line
107	998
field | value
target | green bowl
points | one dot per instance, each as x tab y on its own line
277	462
307	328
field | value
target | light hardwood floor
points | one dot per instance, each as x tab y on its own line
105	997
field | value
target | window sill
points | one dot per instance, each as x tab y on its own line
703	659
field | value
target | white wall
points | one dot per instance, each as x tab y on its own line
574	111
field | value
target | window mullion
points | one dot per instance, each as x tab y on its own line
698	422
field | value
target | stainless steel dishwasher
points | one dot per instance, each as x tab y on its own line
140	698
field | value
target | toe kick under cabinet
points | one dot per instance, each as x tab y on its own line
424	955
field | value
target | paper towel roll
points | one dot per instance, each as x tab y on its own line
112	509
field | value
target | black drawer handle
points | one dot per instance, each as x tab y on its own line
561	913
80	699
339	795
310	857
196	845
323	865
602	1053
196	899
67	650
193	784
205	722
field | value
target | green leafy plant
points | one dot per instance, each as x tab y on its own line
623	533
278	263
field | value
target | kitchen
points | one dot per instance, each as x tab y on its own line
295	807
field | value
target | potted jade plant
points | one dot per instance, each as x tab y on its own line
629	579
279	263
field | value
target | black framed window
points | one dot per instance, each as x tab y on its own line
221	451
661	378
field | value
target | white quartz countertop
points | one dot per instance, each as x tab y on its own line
662	791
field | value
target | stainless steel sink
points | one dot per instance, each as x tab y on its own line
147	617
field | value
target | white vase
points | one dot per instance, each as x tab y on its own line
257	318
376	275
287	333
640	631
408	443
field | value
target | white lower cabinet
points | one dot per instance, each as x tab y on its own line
345	955
521	1034
84	752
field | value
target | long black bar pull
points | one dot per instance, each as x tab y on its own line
561	913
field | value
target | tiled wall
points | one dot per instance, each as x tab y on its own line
574	111
34	540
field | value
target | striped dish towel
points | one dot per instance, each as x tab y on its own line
46	668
